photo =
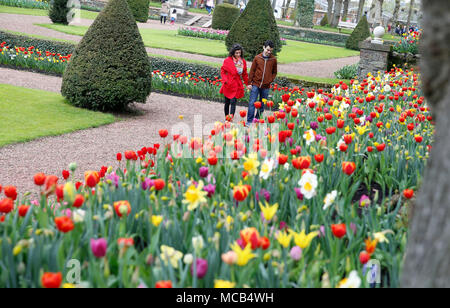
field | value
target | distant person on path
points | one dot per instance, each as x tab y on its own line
173	17
262	74
242	6
165	9
209	6
233	71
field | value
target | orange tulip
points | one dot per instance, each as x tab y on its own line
348	167
92	178
51	280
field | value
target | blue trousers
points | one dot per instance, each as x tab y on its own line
254	94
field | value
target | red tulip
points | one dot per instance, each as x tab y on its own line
79	200
339	230
122	208
119	156
348	167
65	174
39	179
212	160
91	178
348	139
408	193
163	133
243	113
257	105
364	257
264	243
51	280
419	139
64	224
302	162
23	210
10	192
159	184
6	205
340	123
282	159
164	284
319	158
381	147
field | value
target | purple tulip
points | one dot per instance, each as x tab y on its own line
321	231
325	110
203	172
299	193
291	141
202	268
296	253
99	247
147	183
210	189
283	225
114	178
318	137
353	227
314	125
241	243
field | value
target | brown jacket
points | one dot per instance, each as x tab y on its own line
263	72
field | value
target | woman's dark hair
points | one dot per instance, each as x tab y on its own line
235	48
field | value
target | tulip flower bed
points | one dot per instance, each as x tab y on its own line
211	34
31	58
409	43
288	202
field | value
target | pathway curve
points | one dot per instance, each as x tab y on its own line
25	24
93	148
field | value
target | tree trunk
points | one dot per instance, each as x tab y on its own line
380	12
274	4
427	258
288	4
411	6
329	11
337	13
283	10
344	15
360	10
394	19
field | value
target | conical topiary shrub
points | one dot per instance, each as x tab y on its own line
110	67
305	14
139	9
361	32
256	25
224	16
324	21
58	11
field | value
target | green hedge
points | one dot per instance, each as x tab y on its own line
305	14
58	12
358	35
41	44
139	9
316	35
224	16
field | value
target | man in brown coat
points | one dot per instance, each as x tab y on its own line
262	74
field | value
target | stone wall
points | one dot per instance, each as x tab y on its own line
374	58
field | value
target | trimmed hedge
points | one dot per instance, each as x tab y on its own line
139	9
315	35
41	44
58	12
254	26
305	14
224	16
110	67
358	35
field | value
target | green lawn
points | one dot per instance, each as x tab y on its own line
38	12
294	51
28	114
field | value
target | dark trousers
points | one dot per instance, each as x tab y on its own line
230	104
163	17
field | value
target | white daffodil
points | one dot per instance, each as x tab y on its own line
352	282
309	136
266	168
329	199
308	184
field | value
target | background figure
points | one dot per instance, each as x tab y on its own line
165	9
173	17
209	6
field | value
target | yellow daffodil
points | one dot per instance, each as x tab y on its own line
251	164
243	255
195	196
268	211
381	236
169	254
223	284
156	220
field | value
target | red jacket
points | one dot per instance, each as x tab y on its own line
232	86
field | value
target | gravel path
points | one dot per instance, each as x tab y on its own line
25	24
93	148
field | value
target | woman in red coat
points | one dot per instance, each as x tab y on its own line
234	70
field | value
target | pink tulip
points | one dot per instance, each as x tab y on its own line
99	247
